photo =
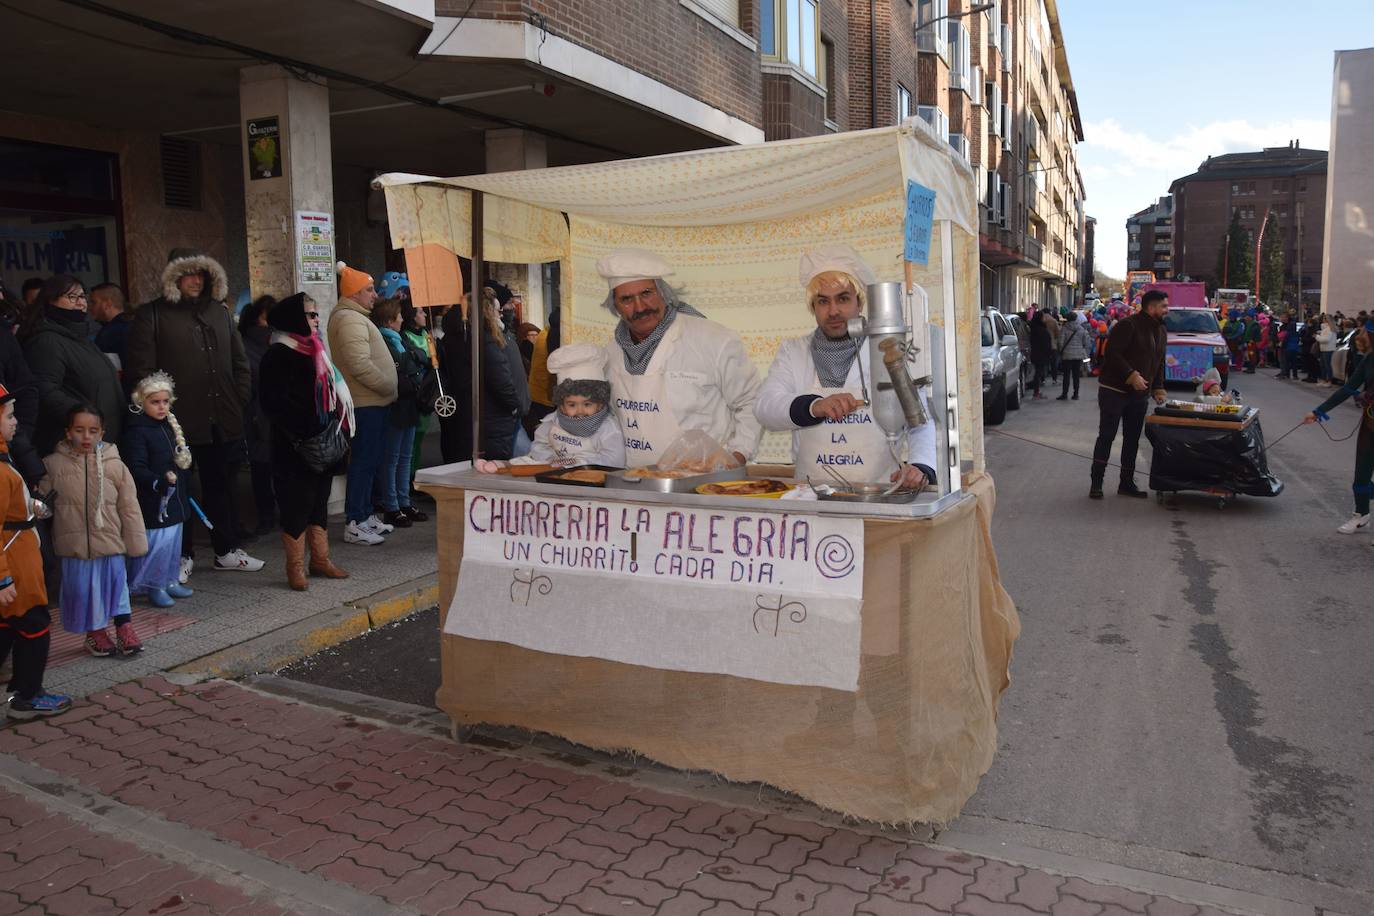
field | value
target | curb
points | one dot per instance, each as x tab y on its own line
312	634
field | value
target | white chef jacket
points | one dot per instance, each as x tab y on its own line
793	374
711	383
605	446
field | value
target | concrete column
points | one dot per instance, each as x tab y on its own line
512	149
306	182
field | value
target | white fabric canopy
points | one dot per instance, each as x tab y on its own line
733	222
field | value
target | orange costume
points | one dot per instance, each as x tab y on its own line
21	564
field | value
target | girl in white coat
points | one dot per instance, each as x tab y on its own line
814	387
581	430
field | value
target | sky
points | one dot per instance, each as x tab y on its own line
1165	84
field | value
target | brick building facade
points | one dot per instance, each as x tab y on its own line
1150	239
1286	183
444	87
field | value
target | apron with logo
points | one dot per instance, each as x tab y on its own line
568	448
647	422
855	447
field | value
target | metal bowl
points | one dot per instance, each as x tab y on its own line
867	493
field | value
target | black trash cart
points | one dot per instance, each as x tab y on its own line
1218	454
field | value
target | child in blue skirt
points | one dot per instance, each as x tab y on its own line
155	451
96	525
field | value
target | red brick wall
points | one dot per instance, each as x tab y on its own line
790	109
661	39
835	28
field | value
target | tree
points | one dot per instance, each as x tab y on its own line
1106	285
1272	249
1236	260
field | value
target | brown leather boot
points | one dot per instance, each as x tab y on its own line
295	561
319	554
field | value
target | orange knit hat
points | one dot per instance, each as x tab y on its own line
350	280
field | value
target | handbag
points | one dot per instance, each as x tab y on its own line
325	449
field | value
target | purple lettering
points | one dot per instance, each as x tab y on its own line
473	509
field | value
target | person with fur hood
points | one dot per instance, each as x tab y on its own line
189	333
96	526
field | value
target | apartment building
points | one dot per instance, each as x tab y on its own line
162	156
1150	239
997	83
1285	184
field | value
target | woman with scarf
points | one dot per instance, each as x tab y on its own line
70	370
814	388
302	392
392	489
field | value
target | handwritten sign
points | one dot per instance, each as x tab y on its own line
769	595
920	217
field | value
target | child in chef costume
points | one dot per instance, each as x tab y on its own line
1210	389
581	430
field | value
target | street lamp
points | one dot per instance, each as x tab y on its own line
980	8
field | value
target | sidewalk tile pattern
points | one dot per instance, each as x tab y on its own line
441	827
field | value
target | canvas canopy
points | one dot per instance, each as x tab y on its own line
734	223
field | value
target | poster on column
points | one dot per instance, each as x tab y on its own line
315	246
768	595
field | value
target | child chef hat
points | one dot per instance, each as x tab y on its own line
581	370
630	264
836	258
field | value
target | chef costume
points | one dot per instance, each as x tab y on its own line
809	368
689	373
564	440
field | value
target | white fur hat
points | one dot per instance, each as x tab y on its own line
839	258
582	361
630	264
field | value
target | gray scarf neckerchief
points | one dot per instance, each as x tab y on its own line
833	358
637	355
582	426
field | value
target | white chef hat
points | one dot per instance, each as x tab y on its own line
579	361
630	264
838	259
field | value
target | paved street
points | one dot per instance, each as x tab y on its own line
1191	691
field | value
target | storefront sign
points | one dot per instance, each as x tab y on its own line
769	595
315	246
264	148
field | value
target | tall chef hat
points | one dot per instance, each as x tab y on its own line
836	259
581	370
630	264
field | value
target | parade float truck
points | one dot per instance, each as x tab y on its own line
1195	340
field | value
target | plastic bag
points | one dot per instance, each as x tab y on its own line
695	451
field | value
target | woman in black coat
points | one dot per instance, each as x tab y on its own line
505	390
302	393
1042	350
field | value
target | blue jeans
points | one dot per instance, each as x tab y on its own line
392	491
369	445
1326	364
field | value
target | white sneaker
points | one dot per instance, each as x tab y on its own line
359	533
239	561
188	566
1355	523
377	526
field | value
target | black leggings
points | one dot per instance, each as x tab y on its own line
28	636
1072	368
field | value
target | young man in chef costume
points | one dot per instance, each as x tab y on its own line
814	386
671	369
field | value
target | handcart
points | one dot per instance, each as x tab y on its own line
1212	449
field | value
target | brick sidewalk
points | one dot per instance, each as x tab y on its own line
431	826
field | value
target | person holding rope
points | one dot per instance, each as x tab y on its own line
1360	384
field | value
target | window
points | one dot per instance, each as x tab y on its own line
903	102
789	32
1280	186
827	72
994	99
960	144
1006	48
975	85
931	38
1247	212
959	62
1242	188
726	11
936	118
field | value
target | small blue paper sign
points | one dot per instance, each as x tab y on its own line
920	217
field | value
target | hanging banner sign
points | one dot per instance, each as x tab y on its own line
768	595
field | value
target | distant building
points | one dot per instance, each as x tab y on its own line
1286	182
1087	264
1150	239
1347	278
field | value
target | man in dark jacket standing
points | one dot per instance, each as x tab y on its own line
1132	370
189	333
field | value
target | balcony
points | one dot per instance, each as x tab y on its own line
1034	250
